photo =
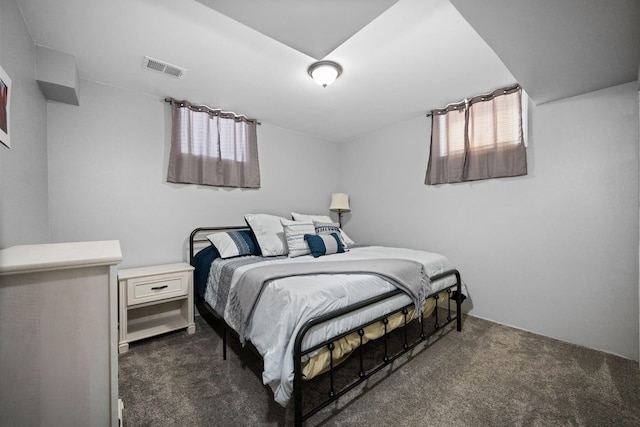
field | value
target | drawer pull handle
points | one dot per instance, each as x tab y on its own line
157	288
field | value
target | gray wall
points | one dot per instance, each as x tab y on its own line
107	177
23	168
555	252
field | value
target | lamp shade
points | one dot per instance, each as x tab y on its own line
325	72
339	202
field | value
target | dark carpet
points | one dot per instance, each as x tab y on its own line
486	375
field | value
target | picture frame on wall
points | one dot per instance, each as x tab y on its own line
5	107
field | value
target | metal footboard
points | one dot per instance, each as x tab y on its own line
362	374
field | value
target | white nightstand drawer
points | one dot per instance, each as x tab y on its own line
153	288
158	289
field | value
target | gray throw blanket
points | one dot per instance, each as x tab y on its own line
406	275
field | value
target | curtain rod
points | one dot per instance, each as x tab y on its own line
505	90
171	100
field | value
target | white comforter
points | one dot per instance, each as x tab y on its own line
287	304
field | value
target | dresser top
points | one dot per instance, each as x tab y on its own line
56	256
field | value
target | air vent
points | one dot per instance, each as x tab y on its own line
163	67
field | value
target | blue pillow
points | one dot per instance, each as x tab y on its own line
324	244
235	243
202	264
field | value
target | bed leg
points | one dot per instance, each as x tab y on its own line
297	385
459	304
224	342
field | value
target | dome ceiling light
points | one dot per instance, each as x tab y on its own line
324	72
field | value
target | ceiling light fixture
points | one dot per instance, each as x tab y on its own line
324	72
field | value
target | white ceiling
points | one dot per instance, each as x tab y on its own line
412	57
558	49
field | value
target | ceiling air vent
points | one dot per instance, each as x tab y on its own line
163	67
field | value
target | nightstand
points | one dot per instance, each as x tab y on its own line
154	300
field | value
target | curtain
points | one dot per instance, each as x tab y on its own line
476	139
212	147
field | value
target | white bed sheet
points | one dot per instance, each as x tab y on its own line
287	304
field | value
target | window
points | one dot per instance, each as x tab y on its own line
480	138
212	147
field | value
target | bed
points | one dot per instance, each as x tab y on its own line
308	298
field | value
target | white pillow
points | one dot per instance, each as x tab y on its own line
235	243
269	233
321	218
303	217
347	239
294	232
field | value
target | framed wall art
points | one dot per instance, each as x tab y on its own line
5	107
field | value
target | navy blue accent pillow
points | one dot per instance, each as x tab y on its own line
202	264
324	244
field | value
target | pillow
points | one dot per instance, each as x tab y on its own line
328	228
303	217
235	243
202	263
322	227
347	240
324	244
269	233
294	232
322	218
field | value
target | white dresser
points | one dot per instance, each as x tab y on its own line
58	334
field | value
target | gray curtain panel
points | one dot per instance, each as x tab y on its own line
476	139
211	147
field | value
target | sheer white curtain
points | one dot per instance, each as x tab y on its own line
212	147
480	138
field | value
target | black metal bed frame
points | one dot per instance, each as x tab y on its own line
454	293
